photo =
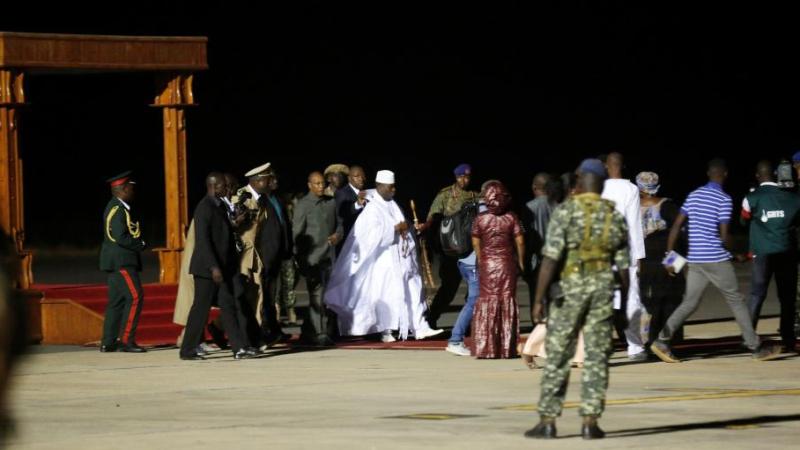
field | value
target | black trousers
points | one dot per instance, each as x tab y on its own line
125	299
450	278
243	290
205	291
317	320
784	267
270	324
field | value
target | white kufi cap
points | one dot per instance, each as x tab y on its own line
384	177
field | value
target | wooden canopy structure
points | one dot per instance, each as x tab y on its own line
173	60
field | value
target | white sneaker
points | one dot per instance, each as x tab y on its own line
387	337
207	348
457	348
427	333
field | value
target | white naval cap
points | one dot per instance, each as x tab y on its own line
260	170
384	177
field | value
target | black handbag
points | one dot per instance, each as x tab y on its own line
455	232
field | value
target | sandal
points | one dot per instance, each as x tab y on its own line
529	361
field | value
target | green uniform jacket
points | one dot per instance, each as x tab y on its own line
774	214
449	201
122	242
569	232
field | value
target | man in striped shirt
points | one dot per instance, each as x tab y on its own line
708	210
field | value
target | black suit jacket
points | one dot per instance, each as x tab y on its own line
275	238
214	242
346	212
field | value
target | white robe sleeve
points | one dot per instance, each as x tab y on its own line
634	217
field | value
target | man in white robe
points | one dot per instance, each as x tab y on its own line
625	196
375	285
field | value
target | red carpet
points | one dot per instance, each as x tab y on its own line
435	343
155	323
156	327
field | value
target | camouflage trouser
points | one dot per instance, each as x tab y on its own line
287	297
587	305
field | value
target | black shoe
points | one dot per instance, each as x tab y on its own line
218	336
252	351
592	431
543	430
192	357
273	338
317	341
108	348
325	341
132	347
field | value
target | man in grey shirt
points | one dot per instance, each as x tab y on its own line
315	237
547	193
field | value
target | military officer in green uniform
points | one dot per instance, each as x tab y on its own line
120	258
448	201
591	237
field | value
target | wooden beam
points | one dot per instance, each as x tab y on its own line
12	220
174	96
175	56
95	52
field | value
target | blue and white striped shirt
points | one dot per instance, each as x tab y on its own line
707	207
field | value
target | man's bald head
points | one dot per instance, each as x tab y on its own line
213	177
232	183
357	177
764	171
717	170
540	184
614	164
316	183
216	185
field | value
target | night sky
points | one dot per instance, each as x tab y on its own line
417	88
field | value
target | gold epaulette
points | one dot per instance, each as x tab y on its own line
108	222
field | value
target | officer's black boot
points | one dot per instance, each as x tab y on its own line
545	429
590	430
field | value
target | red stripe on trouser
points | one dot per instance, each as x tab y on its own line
132	313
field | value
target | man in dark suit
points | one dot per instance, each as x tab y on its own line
274	246
350	201
120	257
213	266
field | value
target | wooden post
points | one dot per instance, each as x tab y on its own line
175	95
12	220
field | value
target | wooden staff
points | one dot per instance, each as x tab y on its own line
426	263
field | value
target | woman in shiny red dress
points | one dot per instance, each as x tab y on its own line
495	235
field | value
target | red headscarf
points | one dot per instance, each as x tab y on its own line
497	198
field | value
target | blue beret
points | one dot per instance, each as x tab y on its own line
796	157
593	165
462	169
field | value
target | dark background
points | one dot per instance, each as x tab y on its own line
512	88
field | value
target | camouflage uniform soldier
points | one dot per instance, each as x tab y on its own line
594	237
447	202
